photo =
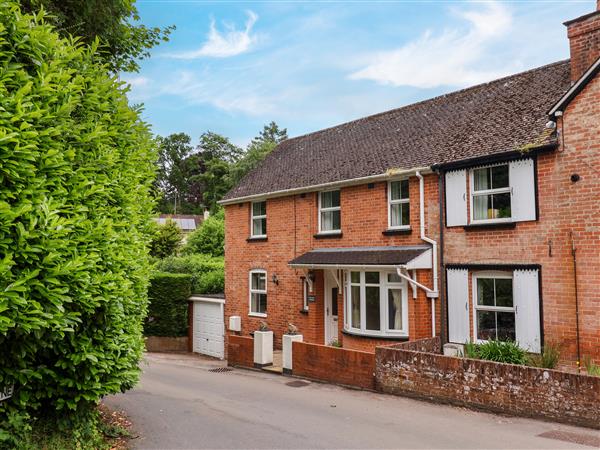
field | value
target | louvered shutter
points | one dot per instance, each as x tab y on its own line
456	198
522	183
457	281
526	296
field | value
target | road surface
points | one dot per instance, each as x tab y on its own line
181	404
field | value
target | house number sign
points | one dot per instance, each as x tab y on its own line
6	393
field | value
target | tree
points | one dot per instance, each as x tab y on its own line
214	146
177	179
122	41
166	241
76	164
263	144
209	239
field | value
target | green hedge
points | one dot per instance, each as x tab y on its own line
208	273
167	310
76	167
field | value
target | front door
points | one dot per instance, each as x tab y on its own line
331	309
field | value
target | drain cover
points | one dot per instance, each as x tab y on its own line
297	383
220	369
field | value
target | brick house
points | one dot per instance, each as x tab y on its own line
474	215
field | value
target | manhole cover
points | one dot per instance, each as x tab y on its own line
297	383
220	369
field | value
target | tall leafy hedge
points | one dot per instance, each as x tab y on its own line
167	312
208	272
76	163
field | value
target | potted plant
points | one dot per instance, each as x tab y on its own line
263	346
290	336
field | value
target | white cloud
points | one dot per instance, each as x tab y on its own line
223	44
136	81
446	59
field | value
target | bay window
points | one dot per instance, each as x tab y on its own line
494	307
376	304
329	212
490	194
258	293
398	204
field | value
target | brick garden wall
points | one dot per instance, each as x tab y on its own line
240	351
333	365
505	388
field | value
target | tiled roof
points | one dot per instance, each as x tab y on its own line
359	256
496	117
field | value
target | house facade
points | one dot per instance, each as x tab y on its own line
474	216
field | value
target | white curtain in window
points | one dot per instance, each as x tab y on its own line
395	309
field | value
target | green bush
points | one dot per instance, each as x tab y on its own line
209	239
168	306
499	351
166	240
207	272
76	166
548	358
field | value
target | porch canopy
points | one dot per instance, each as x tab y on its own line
405	257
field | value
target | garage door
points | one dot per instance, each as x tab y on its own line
208	328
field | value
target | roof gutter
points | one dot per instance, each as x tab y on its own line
389	174
560	106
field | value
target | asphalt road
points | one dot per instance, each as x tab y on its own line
181	404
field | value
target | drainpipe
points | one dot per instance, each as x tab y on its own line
434	293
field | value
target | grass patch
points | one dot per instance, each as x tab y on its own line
590	367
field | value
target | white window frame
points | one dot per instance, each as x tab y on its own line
396	202
256	291
332	208
472	194
476	307
384	285
253	217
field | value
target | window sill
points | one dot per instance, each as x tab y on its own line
490	226
387	337
335	235
261	315
397	231
257	239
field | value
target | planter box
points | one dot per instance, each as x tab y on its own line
263	348
287	351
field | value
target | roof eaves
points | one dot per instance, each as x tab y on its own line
575	89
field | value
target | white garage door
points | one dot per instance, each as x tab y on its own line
208	328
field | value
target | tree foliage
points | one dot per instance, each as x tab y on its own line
209	239
76	166
166	240
207	271
113	22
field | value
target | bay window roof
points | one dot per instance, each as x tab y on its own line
411	257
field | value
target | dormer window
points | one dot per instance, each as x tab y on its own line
329	212
490	194
258	223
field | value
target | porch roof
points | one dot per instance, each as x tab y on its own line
411	257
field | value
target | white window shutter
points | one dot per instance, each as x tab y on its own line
457	281
456	198
522	183
526	296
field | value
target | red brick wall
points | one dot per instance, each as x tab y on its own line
584	40
333	365
240	351
504	388
292	222
564	208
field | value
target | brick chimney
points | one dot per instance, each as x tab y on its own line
584	40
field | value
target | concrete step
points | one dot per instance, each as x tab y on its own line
273	369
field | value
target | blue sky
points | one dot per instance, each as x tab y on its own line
232	66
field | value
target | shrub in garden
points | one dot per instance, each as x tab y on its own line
167	309
209	239
548	358
207	272
499	351
166	240
76	165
